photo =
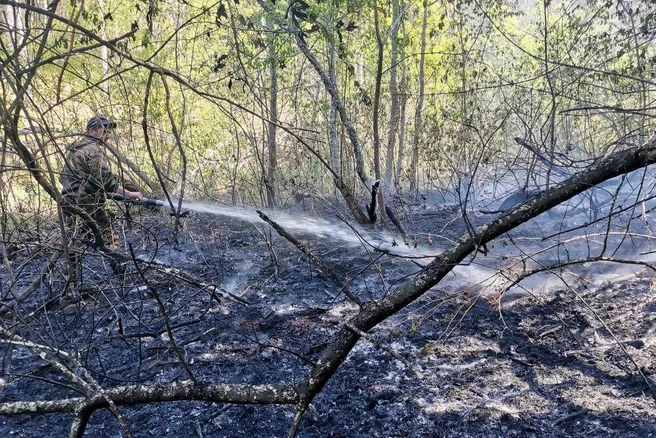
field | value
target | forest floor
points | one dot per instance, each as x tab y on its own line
567	362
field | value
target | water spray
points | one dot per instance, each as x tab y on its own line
294	223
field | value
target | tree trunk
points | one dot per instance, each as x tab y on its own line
394	95
551	117
420	107
380	43
403	100
335	161
378	83
270	180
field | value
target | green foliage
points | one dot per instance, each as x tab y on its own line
561	75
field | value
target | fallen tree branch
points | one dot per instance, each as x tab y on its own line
179	273
305	250
570	417
70	367
161	392
45	273
373	313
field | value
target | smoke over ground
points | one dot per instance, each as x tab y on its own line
602	235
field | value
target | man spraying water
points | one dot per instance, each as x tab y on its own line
86	180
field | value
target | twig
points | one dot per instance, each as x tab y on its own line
199	429
211	288
570	417
269	243
519	360
560	169
167	324
287	350
91	387
305	250
45	273
550	331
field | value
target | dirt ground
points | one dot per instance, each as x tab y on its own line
569	362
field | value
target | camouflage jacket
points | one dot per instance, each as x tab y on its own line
86	171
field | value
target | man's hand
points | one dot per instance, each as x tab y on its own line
136	195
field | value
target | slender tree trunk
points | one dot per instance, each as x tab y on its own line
335	153
551	121
270	180
461	146
641	69
4	214
378	83
335	161
104	58
403	100
376	116
394	94
420	106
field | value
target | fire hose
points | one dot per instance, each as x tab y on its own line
145	201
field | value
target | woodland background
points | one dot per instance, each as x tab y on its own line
256	102
272	103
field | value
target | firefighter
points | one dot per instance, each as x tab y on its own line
86	179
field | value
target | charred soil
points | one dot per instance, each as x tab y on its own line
570	362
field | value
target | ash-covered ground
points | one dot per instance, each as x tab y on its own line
550	358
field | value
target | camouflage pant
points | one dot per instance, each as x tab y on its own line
97	221
96	229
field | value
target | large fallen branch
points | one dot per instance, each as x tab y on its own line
161	392
373	313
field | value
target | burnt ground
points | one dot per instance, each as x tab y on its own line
560	363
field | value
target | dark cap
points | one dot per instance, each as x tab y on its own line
97	121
